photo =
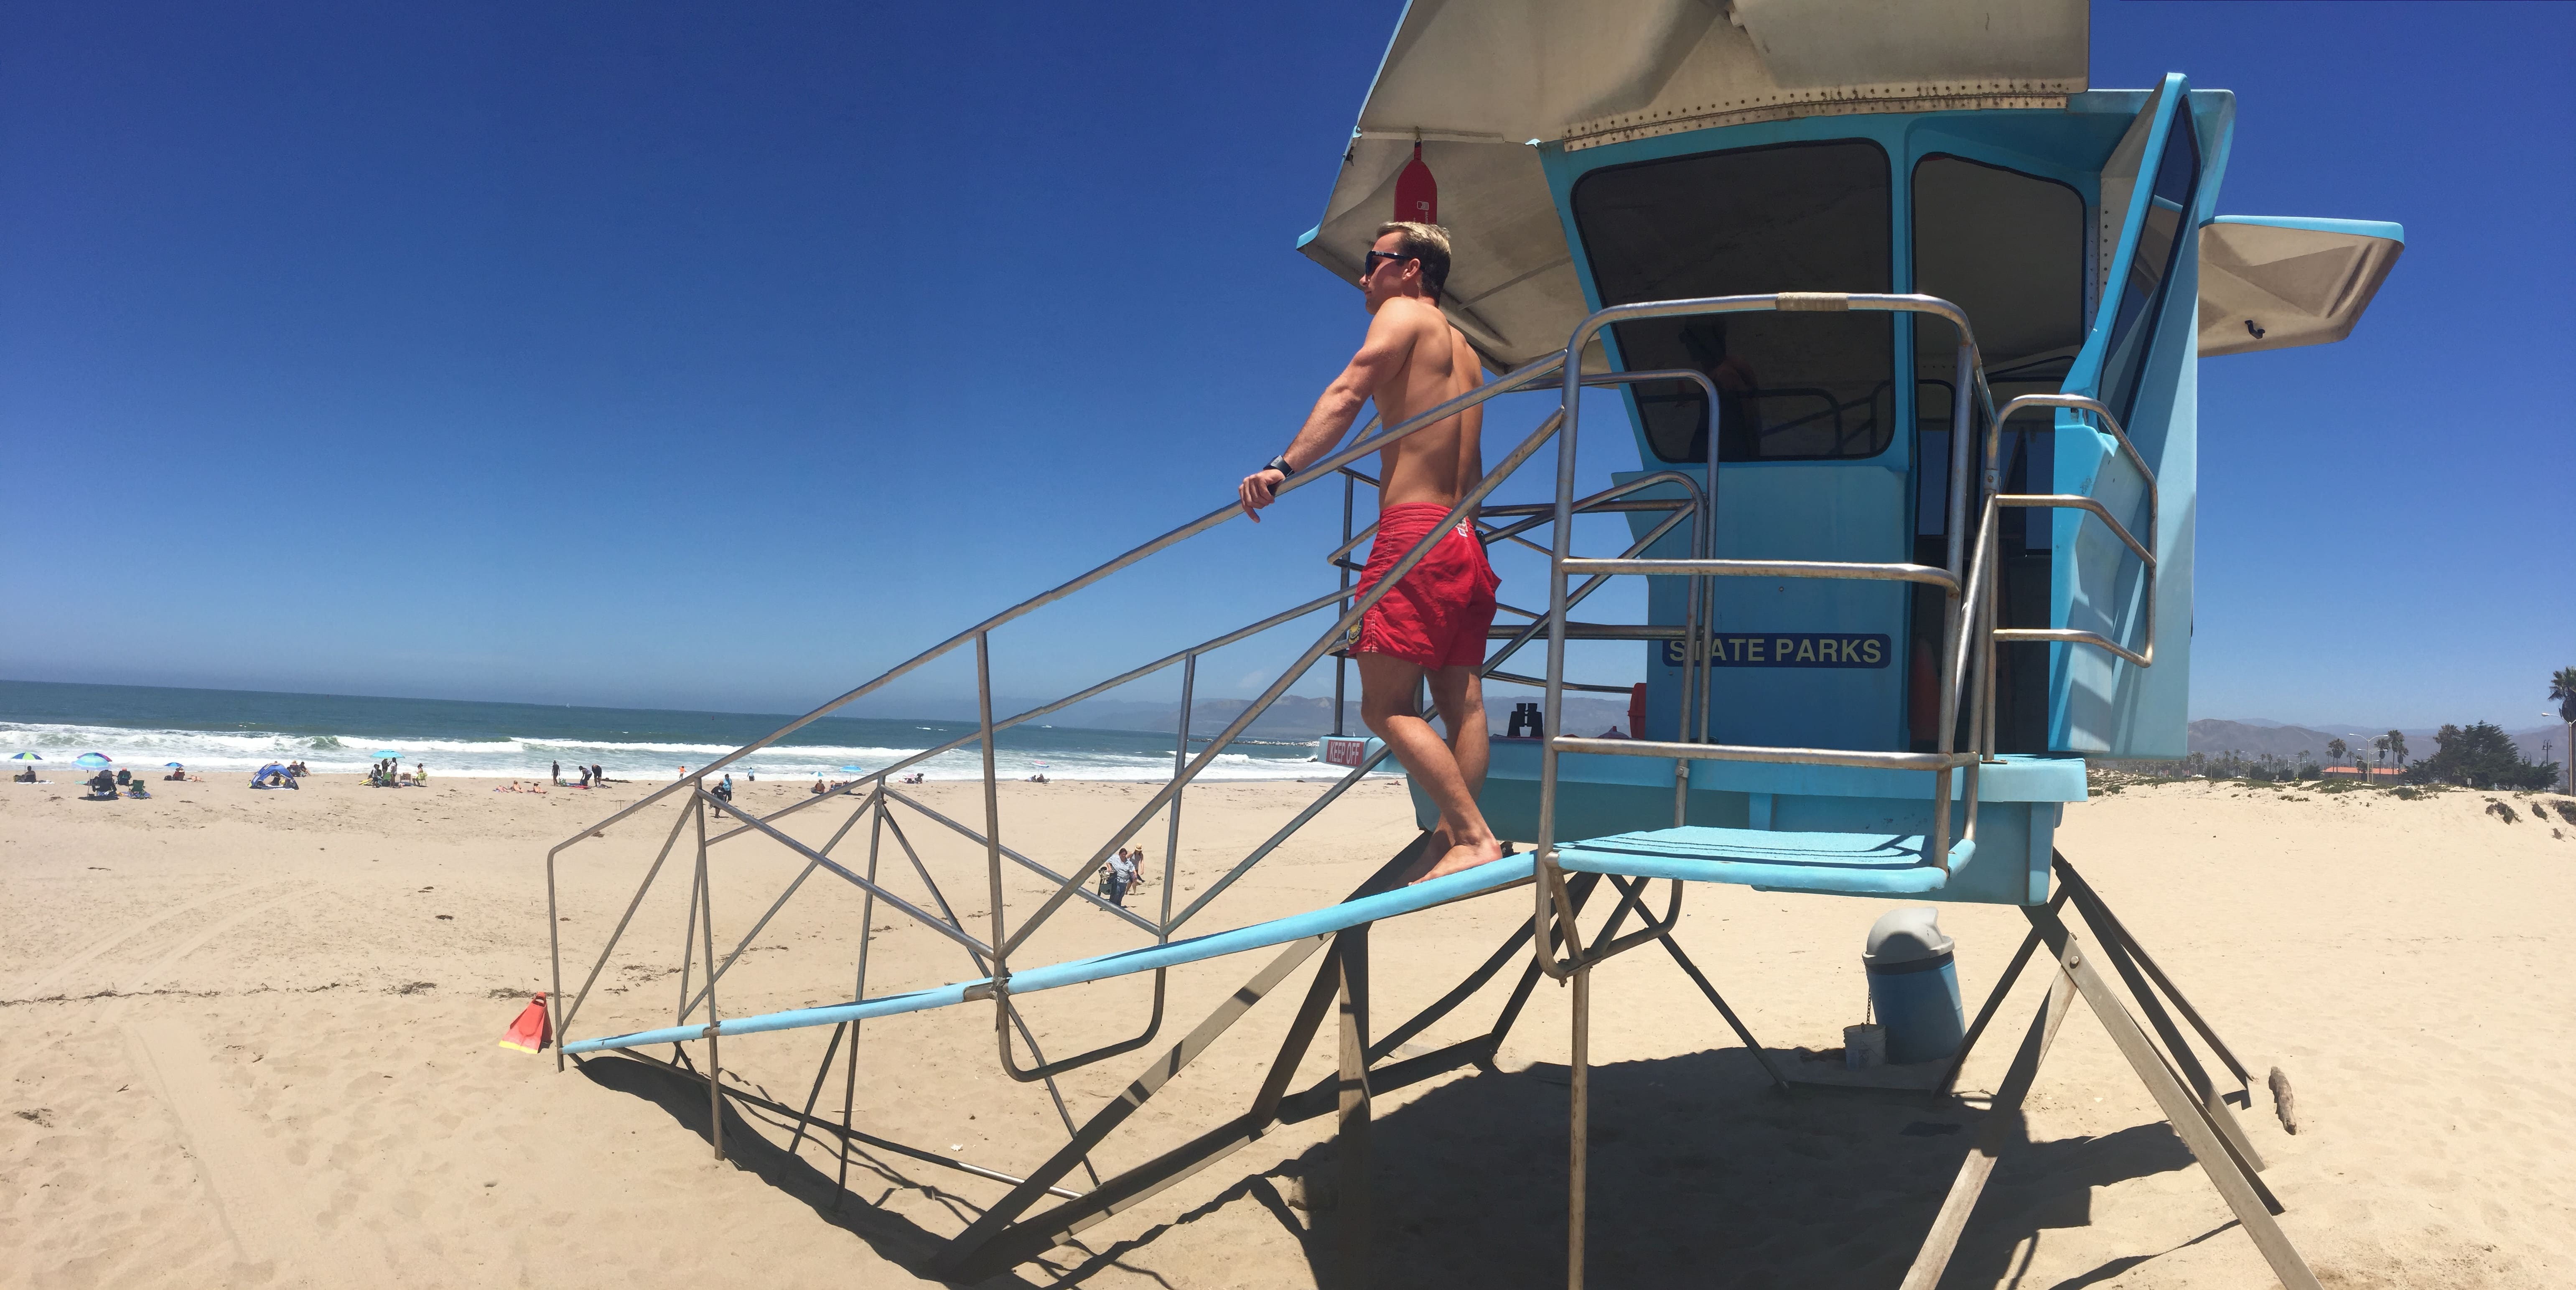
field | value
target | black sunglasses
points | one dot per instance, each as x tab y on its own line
1368	263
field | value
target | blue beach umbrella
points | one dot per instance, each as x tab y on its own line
92	760
387	752
856	770
174	765
26	757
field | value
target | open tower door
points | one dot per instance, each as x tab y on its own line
2278	282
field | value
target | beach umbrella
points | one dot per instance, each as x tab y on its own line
92	760
387	752
174	765
856	770
26	757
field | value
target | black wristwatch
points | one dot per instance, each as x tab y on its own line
1280	464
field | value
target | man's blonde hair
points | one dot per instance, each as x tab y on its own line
1428	243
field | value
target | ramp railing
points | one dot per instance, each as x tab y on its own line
876	795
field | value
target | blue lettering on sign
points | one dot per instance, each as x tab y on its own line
1790	649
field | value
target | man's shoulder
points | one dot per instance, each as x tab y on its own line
1422	321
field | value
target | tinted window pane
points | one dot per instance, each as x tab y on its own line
1805	217
2009	248
2142	291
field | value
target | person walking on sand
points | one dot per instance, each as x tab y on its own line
555	772
1431	625
1122	878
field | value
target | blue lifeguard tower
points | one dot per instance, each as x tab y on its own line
1904	320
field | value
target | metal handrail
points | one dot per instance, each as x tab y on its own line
1597	379
1186	769
1989	547
1550	888
1765	753
1519	378
1849	570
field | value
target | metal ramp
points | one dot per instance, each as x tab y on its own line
1040	1208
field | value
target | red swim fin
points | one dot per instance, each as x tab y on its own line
533	1030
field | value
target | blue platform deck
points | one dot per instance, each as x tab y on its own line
1280	931
1845	864
1600	796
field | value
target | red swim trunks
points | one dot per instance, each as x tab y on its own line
1437	615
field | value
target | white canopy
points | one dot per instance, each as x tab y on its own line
1476	82
2277	283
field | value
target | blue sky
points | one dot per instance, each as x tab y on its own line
669	356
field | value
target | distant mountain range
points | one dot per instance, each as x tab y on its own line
2256	737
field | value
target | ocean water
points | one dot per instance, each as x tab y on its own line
212	731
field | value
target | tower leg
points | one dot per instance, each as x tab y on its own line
1352	1138
1934	1258
2235	1184
1580	1120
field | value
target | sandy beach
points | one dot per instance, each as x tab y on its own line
253	1043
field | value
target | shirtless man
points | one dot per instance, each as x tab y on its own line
1430	626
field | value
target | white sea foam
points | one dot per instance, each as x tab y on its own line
210	752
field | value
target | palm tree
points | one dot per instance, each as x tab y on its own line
2335	750
2562	687
2380	745
2397	746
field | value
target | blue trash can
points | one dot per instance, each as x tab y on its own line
1914	986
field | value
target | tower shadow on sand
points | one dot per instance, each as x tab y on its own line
1702	1176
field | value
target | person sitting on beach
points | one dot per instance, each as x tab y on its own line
818	785
420	772
177	772
27	776
102	786
123	777
1431	625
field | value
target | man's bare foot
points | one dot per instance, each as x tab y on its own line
1466	855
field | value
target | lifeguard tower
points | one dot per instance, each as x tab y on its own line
1904	318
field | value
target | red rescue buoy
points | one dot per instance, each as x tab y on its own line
1417	197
